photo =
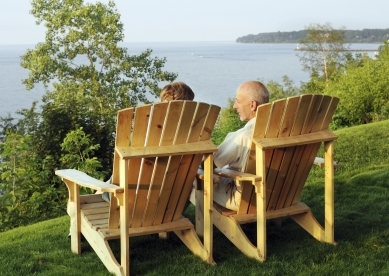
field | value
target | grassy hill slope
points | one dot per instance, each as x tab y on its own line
361	230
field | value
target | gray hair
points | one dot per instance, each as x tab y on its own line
257	91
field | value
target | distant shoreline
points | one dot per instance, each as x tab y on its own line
352	36
345	50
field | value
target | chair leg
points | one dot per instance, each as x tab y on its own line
103	250
312	226
235	234
199	214
192	241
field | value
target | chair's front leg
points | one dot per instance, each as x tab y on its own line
260	190
74	212
124	219
199	207
329	192
208	205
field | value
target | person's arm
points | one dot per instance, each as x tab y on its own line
202	165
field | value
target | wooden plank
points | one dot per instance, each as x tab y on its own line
223	210
259	131
291	141
236	175
318	112
101	216
153	137
156	151
291	155
330	112
312	114
281	162
155	191
95	210
303	109
95	205
305	119
185	124
274	119
321	114
143	189
329	212
174	161
178	225
92	198
122	138
272	162
138	138
213	114
289	211
85	180
311	150
189	164
168	138
155	175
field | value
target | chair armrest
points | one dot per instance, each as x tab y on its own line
85	180
200	147
291	141
200	175
236	175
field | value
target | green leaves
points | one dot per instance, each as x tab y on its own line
78	150
322	50
88	77
363	90
82	46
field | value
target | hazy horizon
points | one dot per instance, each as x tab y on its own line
201	20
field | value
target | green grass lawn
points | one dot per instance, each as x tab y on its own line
361	230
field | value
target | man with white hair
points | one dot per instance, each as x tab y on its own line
234	150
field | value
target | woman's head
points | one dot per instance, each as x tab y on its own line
176	91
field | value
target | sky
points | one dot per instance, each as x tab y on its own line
208	20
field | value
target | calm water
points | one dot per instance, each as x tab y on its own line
212	69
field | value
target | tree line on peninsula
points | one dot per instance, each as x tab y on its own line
352	36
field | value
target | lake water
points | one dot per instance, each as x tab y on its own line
213	70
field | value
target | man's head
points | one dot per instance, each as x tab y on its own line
249	96
176	91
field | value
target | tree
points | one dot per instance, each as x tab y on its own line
363	89
323	50
88	77
87	74
279	91
228	121
22	174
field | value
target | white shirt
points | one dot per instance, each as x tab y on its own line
232	154
234	150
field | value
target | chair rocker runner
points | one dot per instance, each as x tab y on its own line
158	150
286	139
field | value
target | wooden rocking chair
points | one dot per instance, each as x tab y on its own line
286	139
158	150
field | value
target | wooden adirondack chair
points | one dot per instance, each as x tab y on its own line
286	139
158	150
